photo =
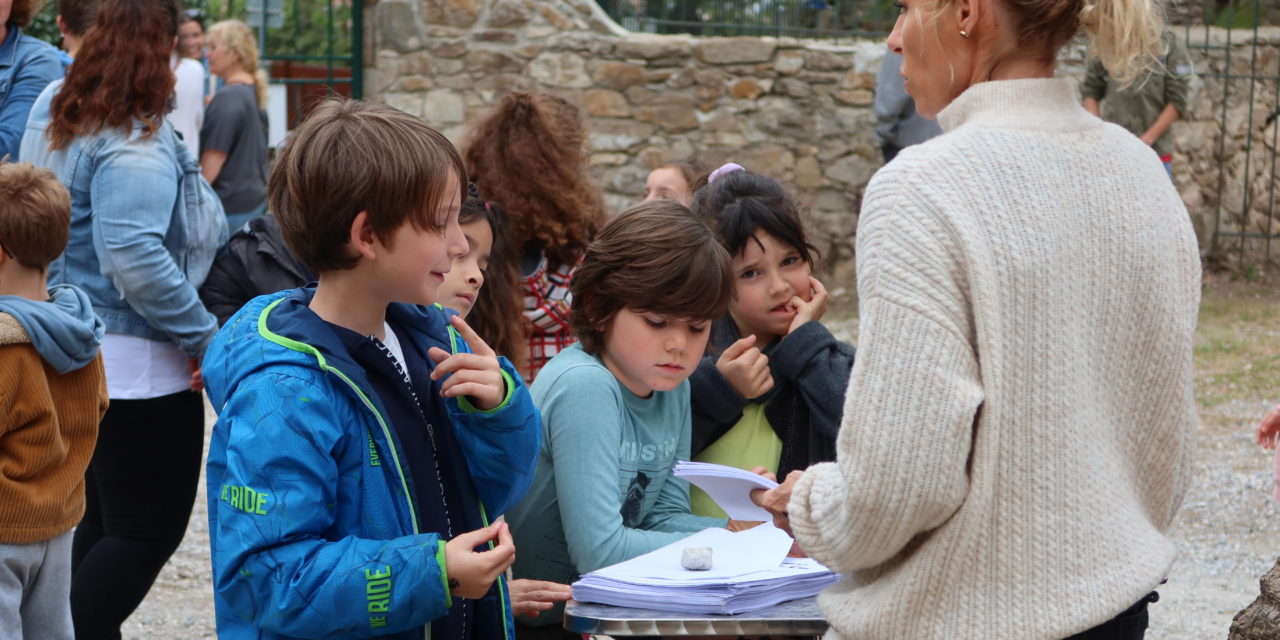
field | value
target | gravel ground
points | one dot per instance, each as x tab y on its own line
1228	530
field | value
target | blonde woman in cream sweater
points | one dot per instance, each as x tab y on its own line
1017	435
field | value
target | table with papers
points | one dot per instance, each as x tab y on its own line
752	585
794	618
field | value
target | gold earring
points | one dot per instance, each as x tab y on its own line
964	34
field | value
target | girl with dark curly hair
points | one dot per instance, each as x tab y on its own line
529	156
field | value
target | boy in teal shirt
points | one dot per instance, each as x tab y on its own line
615	405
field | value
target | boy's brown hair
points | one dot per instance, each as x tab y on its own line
350	156
655	257
35	214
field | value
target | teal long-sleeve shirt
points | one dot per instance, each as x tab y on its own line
603	490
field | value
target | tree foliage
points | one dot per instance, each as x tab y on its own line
306	29
45	24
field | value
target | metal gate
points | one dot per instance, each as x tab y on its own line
311	49
1245	69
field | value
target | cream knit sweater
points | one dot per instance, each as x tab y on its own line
1017	429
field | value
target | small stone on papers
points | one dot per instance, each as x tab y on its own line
696	558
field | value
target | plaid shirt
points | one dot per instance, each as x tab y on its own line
546	313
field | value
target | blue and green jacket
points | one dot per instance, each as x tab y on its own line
312	510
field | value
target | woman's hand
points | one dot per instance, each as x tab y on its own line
528	597
775	500
196	382
1269	429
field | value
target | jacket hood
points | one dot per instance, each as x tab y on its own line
64	330
271	242
280	329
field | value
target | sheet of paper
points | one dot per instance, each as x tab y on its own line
730	487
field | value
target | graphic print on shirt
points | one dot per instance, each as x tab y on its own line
639	466
633	500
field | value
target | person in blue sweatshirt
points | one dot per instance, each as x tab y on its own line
366	438
52	394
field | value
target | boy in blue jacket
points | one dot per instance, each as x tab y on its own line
365	440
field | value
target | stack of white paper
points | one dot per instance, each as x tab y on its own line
730	487
750	570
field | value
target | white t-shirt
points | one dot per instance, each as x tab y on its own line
188	111
393	345
140	369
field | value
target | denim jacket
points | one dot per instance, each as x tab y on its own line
27	66
123	250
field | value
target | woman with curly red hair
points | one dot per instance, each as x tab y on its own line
103	132
529	155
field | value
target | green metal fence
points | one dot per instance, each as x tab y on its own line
1244	204
312	48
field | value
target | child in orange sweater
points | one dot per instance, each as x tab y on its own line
52	395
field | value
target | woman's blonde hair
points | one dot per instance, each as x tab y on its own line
238	38
1126	34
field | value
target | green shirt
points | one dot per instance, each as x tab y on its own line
1137	106
748	444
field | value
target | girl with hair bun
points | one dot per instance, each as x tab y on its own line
1017	434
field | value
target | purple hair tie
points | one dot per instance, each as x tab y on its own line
724	170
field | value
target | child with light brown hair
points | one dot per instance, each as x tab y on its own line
367	438
675	180
52	395
615	405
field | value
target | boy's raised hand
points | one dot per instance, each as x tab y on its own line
811	310
472	572
476	374
746	368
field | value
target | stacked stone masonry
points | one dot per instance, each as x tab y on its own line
796	109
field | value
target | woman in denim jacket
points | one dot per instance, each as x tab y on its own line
102	131
27	66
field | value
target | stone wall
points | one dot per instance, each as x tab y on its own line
798	110
1247	175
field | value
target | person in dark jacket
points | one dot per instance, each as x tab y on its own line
770	390
256	261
